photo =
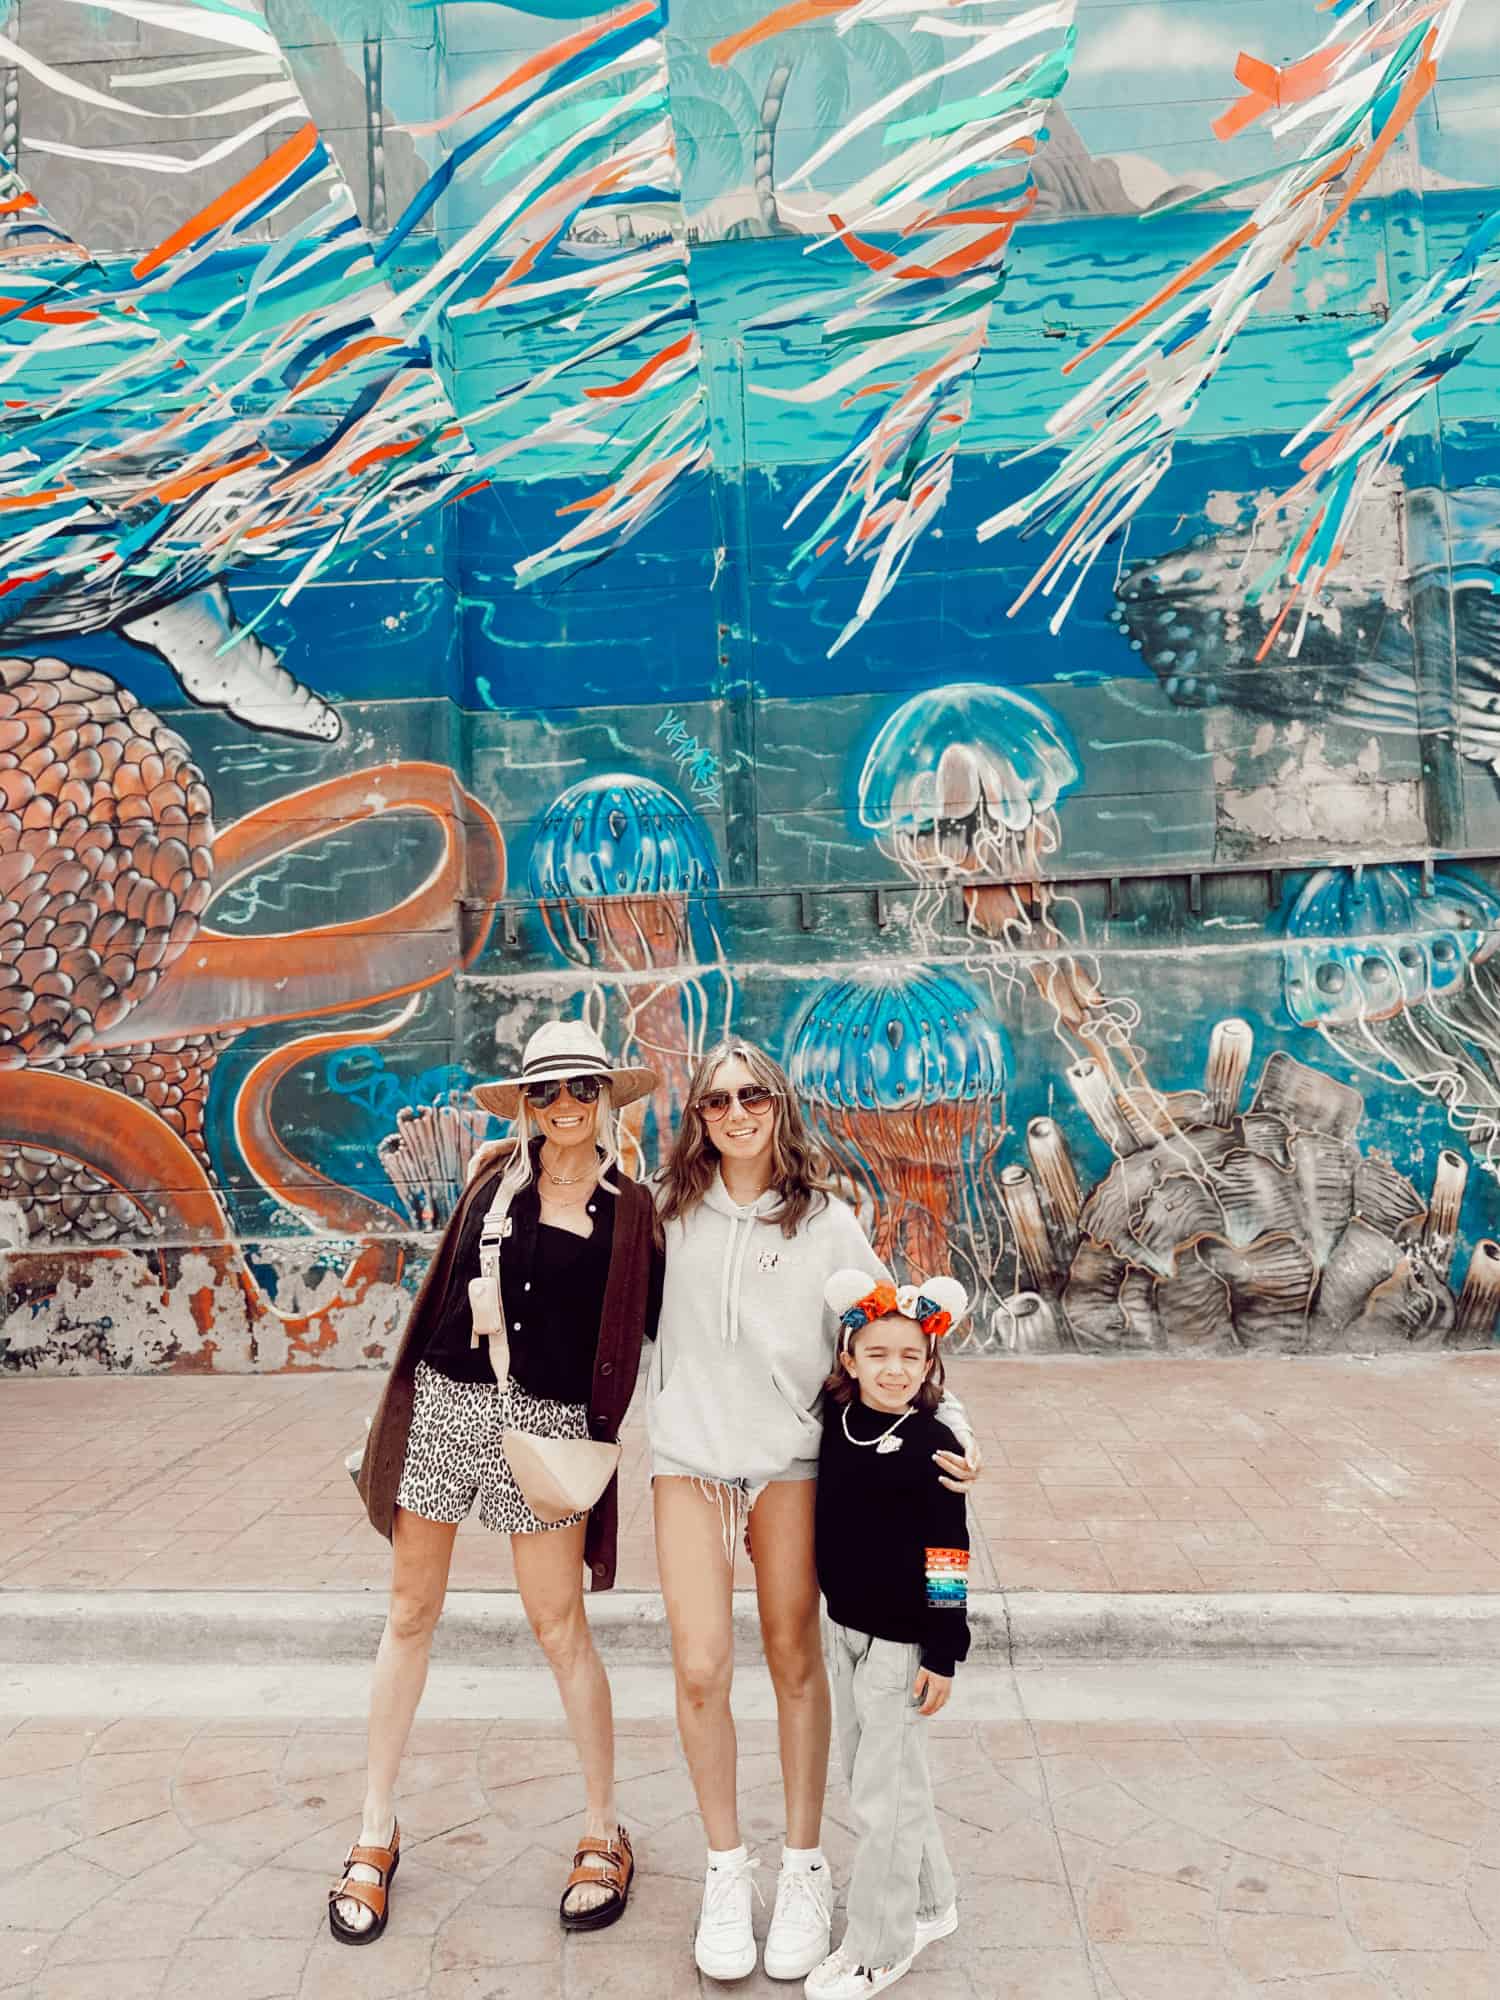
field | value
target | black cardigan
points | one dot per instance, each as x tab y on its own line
634	1257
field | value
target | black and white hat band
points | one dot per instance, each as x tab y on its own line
564	1063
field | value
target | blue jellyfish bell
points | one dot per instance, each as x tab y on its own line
888	1041
1366	943
616	835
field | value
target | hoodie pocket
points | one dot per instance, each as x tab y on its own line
809	1422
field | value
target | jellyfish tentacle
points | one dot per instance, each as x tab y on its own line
1417	1035
1479	1126
1472	1017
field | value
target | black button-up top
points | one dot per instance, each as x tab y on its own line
552	1282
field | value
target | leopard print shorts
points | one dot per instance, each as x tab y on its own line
454	1455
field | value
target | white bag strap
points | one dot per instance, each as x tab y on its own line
495	1229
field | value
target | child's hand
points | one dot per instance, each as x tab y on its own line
930	1691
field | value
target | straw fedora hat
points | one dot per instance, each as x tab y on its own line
562	1049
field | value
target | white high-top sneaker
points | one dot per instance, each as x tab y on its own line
801	1921
839	1977
725	1945
941	1926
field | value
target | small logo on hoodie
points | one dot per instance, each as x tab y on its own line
769	1259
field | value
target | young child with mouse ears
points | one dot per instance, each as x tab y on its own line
893	1559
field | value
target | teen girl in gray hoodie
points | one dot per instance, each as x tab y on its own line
745	1343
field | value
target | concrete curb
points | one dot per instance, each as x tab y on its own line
1021	1628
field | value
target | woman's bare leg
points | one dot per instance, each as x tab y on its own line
786	1588
422	1552
697	1581
549	1576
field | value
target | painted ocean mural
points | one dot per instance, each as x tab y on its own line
966	556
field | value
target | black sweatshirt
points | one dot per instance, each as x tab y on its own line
892	1541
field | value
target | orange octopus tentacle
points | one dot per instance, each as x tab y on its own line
248	982
278	1169
125	1143
120	1140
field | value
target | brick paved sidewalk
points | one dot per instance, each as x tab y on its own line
149	1859
1296	1475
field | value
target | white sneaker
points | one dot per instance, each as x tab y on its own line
725	1945
941	1926
840	1978
800	1923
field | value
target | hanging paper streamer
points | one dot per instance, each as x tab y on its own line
946	200
590	247
1356	92
1363	422
228	398
224	398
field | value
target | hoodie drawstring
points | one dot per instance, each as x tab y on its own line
741	1230
736	1281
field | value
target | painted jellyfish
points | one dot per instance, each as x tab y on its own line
1400	975
621	869
964	781
905	1074
961	788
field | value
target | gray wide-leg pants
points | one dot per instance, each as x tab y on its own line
901	1870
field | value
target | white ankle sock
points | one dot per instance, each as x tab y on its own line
728	1857
802	1857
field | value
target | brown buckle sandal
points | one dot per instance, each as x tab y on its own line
615	1871
374	1896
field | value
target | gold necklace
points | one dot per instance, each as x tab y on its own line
573	1180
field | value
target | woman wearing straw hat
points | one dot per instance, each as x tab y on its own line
490	1372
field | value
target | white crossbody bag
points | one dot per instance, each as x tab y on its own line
558	1477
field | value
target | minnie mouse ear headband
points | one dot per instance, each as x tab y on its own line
937	1304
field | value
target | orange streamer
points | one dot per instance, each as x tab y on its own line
794	15
273	169
1226	247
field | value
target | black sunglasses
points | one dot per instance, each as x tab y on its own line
582	1089
754	1098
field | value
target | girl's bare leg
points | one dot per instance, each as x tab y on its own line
697	1581
422	1552
786	1588
549	1576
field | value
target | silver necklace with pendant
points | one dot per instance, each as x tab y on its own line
886	1442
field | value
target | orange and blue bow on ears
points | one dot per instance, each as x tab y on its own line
909	1301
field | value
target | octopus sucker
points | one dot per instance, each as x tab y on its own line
117	997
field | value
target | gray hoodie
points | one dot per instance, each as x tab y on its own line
745	1340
